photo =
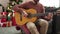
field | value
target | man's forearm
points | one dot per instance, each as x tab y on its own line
17	9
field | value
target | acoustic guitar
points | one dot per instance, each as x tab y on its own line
32	13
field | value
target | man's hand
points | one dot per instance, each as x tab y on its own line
25	14
49	16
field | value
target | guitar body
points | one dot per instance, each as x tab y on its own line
25	19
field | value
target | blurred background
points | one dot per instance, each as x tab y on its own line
8	27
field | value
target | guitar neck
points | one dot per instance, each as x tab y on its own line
42	14
38	14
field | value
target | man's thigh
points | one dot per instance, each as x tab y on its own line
40	22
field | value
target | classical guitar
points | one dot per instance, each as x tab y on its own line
21	20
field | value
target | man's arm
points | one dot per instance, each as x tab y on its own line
49	16
20	8
17	8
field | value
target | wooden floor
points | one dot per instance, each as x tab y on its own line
9	30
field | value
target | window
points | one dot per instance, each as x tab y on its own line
50	3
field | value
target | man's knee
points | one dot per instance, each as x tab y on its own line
43	22
30	25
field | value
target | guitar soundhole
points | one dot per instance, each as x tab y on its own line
29	15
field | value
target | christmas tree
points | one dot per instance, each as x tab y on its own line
12	3
9	9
